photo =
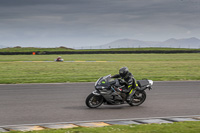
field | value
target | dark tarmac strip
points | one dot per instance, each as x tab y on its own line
49	103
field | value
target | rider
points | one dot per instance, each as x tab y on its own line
59	58
129	80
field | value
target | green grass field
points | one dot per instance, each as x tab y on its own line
179	127
158	67
32	49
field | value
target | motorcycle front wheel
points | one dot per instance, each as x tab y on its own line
138	98
94	101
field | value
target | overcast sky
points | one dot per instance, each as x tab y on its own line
73	23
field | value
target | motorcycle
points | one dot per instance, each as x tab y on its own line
60	60
110	92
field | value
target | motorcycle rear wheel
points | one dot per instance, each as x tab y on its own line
94	101
138	98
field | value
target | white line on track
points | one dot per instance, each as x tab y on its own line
94	82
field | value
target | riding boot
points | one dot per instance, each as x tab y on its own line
130	95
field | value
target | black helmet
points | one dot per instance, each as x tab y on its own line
123	72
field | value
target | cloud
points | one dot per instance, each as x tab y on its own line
81	22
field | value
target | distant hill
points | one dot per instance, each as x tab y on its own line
183	43
173	43
129	43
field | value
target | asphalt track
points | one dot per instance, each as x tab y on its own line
49	103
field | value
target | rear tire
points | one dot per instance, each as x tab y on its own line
138	98
94	101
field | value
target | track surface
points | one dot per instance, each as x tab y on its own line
48	103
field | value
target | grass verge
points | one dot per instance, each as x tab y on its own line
179	127
32	49
158	67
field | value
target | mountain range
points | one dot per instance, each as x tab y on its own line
173	43
131	43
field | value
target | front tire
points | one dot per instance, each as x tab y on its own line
94	101
138	98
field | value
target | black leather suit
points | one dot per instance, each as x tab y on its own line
130	83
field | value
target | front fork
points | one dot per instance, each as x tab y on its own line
95	92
